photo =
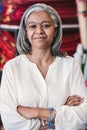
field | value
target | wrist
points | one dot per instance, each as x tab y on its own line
43	114
52	114
37	113
51	119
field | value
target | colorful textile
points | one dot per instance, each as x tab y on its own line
7	48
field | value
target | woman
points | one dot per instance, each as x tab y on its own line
81	51
82	19
42	88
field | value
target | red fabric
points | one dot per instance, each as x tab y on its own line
13	10
70	40
7	47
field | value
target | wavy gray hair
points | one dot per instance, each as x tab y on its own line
23	45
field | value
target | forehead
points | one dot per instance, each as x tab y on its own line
39	16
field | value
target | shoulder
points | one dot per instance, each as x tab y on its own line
14	62
69	62
68	59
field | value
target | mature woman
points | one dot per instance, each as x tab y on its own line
81	51
42	88
82	19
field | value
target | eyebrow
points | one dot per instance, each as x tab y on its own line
31	22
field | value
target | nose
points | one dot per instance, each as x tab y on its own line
39	30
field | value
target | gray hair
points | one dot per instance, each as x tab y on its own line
23	45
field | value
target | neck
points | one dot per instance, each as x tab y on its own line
42	60
40	57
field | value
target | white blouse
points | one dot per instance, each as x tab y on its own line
23	84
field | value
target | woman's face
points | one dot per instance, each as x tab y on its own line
40	30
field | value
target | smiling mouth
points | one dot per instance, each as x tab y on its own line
40	38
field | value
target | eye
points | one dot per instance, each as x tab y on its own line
46	25
33	26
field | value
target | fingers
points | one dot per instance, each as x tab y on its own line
19	109
43	126
74	100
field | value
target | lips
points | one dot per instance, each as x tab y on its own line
40	38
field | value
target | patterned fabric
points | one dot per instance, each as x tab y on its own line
7	47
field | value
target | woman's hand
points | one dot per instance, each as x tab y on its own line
43	126
28	112
31	112
74	100
43	113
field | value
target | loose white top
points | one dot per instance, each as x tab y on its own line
23	84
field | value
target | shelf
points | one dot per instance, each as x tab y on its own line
11	28
16	27
67	26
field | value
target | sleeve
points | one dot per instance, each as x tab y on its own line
72	117
8	104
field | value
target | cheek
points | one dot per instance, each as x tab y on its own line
52	35
51	32
29	35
